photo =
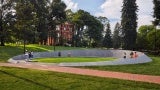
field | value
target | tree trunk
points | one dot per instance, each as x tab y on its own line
2	41
1	35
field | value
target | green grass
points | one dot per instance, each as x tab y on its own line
9	51
152	68
73	59
27	79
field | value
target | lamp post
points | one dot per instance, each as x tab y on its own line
24	40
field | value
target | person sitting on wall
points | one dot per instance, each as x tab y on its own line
135	55
131	54
124	55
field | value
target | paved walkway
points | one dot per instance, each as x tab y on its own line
89	72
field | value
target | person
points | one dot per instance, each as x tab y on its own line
31	54
131	54
59	54
124	55
135	55
69	54
26	55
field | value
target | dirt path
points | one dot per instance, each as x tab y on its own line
89	72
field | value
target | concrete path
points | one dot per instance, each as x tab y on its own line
89	72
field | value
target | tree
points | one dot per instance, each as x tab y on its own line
117	36
57	15
25	19
92	34
145	37
79	19
129	23
107	42
103	20
5	8
41	10
156	13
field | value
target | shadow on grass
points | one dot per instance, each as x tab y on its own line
28	80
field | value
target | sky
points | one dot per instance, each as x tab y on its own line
112	9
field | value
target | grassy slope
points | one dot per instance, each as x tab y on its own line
12	50
27	79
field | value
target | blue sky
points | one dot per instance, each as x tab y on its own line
111	9
91	6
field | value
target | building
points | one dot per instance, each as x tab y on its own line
64	33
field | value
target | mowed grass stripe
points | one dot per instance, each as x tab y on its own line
73	59
27	79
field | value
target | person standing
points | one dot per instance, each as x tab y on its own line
26	55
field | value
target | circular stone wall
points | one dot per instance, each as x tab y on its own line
142	58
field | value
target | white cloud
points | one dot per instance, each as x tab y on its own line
145	12
112	10
71	5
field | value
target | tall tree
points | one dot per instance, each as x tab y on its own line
95	31
107	42
156	13
129	23
145	37
57	15
25	19
94	28
78	19
5	8
104	21
42	23
117	36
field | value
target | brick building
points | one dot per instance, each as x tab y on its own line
64	34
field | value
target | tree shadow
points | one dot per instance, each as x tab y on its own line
28	80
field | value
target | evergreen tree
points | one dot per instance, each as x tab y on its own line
156	13
129	23
25	18
107	42
117	36
5	9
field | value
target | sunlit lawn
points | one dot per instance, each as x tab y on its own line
27	79
9	51
152	68
73	59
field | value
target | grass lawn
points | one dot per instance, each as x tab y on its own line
27	79
73	59
152	68
9	51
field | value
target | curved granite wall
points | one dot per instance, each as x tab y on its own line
142	58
